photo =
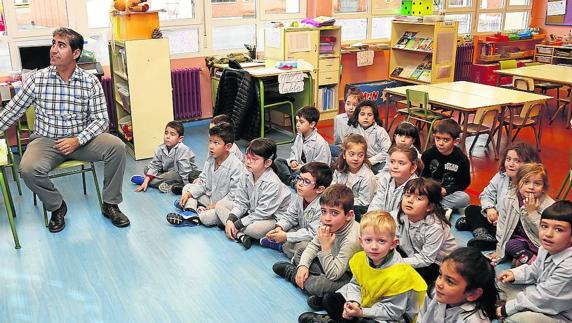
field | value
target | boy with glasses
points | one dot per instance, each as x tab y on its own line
299	224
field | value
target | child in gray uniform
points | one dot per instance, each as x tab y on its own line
298	225
260	198
324	265
309	145
464	291
216	184
542	291
173	162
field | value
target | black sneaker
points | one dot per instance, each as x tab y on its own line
112	212
482	240
285	270
57	222
310	317
177	189
316	302
246	241
462	224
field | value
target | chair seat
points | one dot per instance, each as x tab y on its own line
428	115
548	85
518	121
71	163
474	128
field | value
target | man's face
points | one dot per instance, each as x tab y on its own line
61	54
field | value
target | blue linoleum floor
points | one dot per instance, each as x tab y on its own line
147	272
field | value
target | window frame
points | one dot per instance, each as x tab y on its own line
373	11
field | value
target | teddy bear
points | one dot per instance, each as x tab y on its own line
131	5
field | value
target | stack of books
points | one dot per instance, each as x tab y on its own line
327	44
409	41
421	72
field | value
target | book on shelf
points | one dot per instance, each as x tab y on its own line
426	45
425	76
417	71
407	71
404	40
397	71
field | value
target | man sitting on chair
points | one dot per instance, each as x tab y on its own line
71	120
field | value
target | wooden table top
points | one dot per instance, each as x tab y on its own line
547	72
469	96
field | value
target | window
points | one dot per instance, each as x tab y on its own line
38	14
488	16
365	20
353	29
464	19
516	20
350	6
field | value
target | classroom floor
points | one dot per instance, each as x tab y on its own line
153	272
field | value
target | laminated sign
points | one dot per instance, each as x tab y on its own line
291	82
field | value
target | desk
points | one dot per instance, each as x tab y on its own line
549	73
6	190
466	97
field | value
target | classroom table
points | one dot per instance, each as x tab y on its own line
467	97
559	74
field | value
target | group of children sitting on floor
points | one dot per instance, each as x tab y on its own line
368	235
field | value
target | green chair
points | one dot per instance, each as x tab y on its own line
25	129
418	109
264	106
566	184
13	166
68	167
506	65
10	210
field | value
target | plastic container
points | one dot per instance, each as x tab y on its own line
135	25
126	127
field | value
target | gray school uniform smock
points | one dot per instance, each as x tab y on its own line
388	308
304	223
340	128
548	286
494	193
388	197
236	151
511	213
378	142
336	262
218	183
363	184
315	148
180	158
425	242
435	312
266	199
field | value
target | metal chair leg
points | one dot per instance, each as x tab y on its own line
9	207
96	183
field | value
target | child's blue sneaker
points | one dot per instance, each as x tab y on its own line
267	243
183	221
177	204
137	179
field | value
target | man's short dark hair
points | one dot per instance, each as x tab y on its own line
320	171
338	195
223	130
448	126
74	38
559	211
178	126
309	113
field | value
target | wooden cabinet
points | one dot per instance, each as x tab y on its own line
495	51
423	52
317	46
141	80
548	54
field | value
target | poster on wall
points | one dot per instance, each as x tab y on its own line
559	12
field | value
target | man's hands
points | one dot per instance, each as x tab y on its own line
67	145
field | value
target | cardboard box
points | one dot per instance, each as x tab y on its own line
135	25
280	118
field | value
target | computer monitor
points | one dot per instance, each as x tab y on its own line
34	57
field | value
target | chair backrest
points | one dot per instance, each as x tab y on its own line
523	83
508	64
31	117
417	99
531	110
483	113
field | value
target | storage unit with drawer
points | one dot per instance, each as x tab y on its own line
317	46
549	54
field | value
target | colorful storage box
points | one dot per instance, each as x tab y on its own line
135	25
422	7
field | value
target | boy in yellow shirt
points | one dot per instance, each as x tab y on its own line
383	287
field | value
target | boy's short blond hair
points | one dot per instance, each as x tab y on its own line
379	221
